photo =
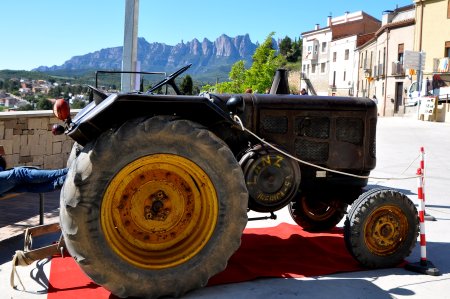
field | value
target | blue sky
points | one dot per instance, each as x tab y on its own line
49	32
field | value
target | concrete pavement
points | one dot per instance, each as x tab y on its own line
398	144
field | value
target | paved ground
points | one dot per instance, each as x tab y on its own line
398	144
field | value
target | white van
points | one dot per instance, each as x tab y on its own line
438	86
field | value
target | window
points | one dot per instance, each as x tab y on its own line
316	49
313	68
322	67
324	46
400	53
334	56
365	61
448	9
334	79
347	52
345	73
447	49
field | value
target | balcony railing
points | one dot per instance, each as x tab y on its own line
397	69
441	65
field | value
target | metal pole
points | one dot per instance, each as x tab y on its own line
419	85
129	58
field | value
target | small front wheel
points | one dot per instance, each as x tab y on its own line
381	229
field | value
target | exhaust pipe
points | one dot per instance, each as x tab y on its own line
280	83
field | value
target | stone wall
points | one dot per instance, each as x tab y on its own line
28	140
294	81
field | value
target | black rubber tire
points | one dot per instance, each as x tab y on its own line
92	172
362	197
315	213
381	228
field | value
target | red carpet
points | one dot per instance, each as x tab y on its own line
282	251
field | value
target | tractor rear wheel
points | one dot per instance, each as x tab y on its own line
154	208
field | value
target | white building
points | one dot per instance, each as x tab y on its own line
328	53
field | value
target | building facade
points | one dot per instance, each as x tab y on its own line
432	36
381	74
315	60
328	53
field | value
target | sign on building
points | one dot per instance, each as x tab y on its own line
414	60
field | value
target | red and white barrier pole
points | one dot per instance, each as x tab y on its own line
423	266
423	243
422	168
422	160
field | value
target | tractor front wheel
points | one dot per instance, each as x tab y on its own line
381	228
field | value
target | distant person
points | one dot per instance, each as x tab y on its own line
304	92
29	179
248	90
374	98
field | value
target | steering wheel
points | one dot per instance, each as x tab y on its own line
170	80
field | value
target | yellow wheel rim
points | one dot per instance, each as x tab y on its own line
159	211
317	211
385	230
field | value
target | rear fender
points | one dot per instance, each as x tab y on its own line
94	119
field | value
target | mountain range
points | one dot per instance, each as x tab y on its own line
208	58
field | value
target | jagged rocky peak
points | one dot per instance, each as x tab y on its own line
158	56
225	46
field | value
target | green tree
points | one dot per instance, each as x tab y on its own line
259	76
285	46
78	104
265	63
55	92
295	53
25	107
44	104
237	75
187	85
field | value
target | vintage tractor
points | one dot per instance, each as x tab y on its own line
159	186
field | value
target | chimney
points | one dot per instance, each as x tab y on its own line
329	21
346	17
316	27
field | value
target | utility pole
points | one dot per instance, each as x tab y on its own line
129	58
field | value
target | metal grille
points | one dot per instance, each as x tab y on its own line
275	124
315	127
349	129
311	150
